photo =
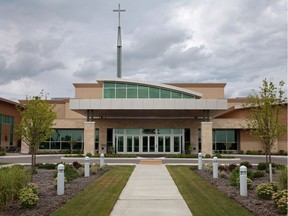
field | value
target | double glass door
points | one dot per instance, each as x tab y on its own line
165	143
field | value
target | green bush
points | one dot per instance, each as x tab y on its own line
89	154
207	156
283	178
104	168
33	186
223	174
246	163
81	171
262	166
258	174
46	165
94	169
12	179
208	168
280	200
27	198
235	174
70	172
266	190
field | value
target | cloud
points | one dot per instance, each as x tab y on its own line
28	61
239	42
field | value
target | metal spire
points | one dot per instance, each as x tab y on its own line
119	44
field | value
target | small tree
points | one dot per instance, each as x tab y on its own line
36	124
72	144
263	116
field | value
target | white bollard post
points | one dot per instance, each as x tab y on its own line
243	181
200	161
215	167
102	160
60	180
87	167
270	171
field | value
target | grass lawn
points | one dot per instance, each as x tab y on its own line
202	197
100	197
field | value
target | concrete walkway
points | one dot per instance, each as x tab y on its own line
149	191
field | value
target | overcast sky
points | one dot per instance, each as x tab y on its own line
50	44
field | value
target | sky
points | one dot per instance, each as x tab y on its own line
49	45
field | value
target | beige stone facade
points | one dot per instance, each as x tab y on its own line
200	120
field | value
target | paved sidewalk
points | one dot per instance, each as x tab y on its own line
149	191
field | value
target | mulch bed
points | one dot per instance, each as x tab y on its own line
49	200
255	205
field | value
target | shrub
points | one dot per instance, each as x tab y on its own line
27	198
262	166
208	168
70	172
77	165
207	156
89	154
218	155
223	174
11	181
241	152
81	171
33	186
266	190
104	168
235	174
231	167
249	183
246	163
280	201
283	178
94	169
258	174
223	168
46	166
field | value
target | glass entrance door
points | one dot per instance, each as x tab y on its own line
149	144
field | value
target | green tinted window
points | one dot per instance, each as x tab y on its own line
142	92
165	93
176	95
153	92
120	90
164	131
132	131
109	90
188	96
131	91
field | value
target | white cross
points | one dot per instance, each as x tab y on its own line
119	11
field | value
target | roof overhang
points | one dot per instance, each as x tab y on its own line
148	107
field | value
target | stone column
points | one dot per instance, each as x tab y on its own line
25	149
206	138
194	139
102	140
89	138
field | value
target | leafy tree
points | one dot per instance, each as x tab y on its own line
263	116
36	124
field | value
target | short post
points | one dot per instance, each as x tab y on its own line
215	167
60	180
102	160
270	171
243	181
87	167
200	161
